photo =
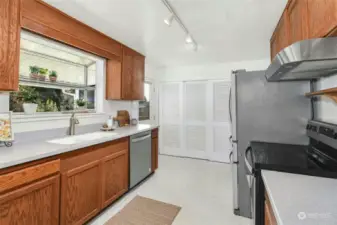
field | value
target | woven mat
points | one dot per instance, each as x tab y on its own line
145	211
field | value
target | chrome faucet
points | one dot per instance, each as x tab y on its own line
73	122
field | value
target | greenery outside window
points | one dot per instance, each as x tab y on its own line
54	76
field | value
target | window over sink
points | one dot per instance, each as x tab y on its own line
54	77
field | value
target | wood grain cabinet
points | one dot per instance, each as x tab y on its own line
304	19
125	79
92	178
80	193
298	20
115	179
155	150
322	17
36	203
10	17
269	217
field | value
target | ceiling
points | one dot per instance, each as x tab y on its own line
226	30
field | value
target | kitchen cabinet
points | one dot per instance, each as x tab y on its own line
92	178
31	192
269	217
298	20
80	193
280	38
115	179
304	19
125	80
155	152
322	17
10	17
36	203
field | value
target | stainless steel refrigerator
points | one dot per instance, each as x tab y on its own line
263	111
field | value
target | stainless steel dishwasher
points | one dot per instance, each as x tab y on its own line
140	157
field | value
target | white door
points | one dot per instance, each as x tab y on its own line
194	119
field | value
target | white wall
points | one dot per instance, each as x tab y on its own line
325	108
209	71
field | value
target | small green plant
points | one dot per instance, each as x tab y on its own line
80	102
28	94
34	69
43	71
53	73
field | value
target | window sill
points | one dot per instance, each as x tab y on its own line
26	118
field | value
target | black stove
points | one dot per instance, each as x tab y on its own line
319	158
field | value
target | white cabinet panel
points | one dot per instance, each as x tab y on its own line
221	143
170	102
171	136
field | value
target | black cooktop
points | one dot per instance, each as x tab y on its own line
289	158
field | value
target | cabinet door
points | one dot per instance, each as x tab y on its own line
115	179
322	17
37	203
127	74
154	154
298	20
138	77
10	14
80	194
113	79
283	32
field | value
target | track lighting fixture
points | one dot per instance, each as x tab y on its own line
169	20
189	40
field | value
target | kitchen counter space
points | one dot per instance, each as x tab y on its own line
29	151
300	199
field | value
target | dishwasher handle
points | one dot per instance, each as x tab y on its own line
141	138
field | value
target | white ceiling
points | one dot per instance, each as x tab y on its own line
226	30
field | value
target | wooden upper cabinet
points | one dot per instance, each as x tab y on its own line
127	74
280	38
298	20
322	17
36	203
138	77
10	18
80	194
115	176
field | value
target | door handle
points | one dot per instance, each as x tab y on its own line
231	157
141	138
230	104
246	161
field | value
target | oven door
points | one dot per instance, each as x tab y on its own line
251	180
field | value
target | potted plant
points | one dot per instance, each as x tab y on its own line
42	74
53	76
81	103
34	72
30	98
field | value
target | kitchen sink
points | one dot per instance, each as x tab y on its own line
81	138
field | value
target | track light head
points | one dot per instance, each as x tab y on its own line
189	39
168	21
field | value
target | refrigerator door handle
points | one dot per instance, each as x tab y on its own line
230	104
235	181
247	162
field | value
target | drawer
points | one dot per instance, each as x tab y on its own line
24	176
97	152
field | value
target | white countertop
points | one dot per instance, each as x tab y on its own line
300	199
27	152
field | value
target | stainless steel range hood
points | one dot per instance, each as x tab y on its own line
305	60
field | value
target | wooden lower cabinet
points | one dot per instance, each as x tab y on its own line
33	204
115	179
269	217
155	150
80	194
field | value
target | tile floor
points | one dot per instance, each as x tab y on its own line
203	189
